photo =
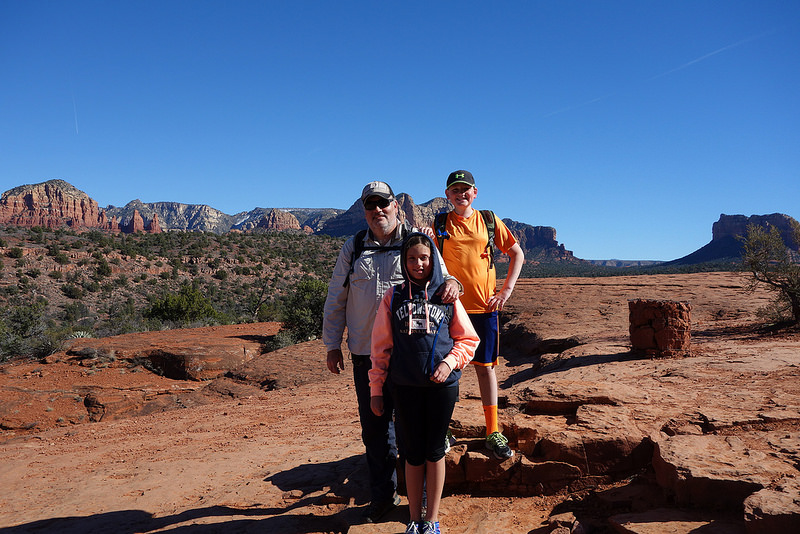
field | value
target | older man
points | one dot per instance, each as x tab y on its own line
368	265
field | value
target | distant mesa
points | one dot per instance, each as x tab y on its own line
726	234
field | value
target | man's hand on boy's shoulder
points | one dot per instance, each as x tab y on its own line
450	291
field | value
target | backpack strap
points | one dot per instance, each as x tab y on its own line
488	219
359	247
440	229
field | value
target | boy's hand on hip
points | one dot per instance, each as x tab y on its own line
497	301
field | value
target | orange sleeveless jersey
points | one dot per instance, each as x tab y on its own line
467	259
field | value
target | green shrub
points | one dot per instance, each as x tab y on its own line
188	305
72	291
303	309
772	263
23	331
103	269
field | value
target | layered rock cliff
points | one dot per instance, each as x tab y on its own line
735	226
176	216
539	242
53	204
56	203
278	220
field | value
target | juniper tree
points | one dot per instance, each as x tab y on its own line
774	263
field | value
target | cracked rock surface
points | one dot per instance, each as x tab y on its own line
197	429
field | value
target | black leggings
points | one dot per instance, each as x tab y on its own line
423	416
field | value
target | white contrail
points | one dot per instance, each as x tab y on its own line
710	54
665	73
75	113
574	106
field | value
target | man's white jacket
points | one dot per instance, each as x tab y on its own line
354	305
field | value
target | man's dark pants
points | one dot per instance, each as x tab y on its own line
377	433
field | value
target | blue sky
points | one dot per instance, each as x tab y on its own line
629	126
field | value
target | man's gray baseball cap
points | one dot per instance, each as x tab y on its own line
377	189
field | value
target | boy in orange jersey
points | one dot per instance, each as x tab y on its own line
465	239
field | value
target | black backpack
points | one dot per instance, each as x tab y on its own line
359	247
440	229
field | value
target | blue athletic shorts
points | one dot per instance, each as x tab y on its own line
488	328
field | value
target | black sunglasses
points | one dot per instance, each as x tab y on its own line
382	203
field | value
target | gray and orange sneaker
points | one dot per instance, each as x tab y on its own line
498	444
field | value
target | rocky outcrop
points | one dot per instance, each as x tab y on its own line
421	215
774	510
154	227
109	223
315	218
135	224
177	216
278	220
52	204
191	356
726	244
735	226
539	242
56	203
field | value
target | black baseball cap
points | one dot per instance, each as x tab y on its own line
460	177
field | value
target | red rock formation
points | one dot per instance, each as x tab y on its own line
421	216
108	224
136	224
736	226
51	204
279	220
154	227
660	327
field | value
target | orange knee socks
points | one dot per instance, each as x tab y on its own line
490	414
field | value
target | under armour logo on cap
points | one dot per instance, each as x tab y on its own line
460	177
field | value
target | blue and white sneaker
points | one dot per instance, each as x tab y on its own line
430	527
412	528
